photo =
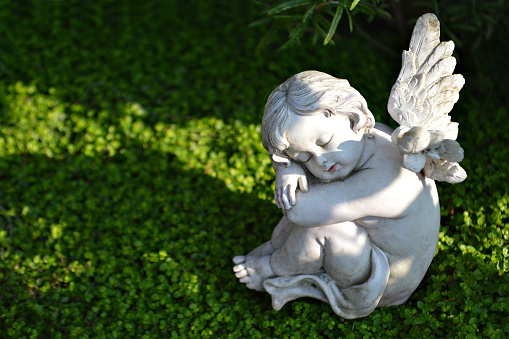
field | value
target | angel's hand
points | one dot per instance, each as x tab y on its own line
288	180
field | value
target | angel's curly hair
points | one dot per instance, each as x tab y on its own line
310	93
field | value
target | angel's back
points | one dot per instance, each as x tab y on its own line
409	240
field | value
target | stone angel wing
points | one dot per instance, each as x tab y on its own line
420	101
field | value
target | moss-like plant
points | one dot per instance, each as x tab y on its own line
132	171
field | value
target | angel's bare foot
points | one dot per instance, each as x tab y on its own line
253	271
262	250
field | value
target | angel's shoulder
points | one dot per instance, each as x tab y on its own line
386	162
386	154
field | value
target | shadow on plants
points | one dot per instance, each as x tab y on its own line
101	54
119	236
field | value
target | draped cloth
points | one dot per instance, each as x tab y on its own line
350	303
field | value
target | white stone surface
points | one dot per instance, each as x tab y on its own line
361	210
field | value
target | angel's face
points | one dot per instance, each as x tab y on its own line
326	146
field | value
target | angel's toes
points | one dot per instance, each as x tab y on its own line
259	268
239	267
239	259
241	273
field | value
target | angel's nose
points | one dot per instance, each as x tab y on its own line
320	159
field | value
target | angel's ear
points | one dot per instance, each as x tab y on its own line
359	121
370	122
352	123
355	121
370	119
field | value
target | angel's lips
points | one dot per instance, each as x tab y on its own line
332	169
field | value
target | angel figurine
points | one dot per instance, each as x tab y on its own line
361	210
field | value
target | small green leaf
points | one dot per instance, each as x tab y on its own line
288	17
319	29
335	21
350	22
287	5
309	13
354	4
259	22
295	34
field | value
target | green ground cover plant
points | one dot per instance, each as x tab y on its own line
132	171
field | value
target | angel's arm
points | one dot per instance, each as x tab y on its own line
371	192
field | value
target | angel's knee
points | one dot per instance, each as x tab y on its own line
348	255
281	233
301	253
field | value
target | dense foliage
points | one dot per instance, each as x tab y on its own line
319	17
132	171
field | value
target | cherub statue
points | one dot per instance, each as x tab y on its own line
361	210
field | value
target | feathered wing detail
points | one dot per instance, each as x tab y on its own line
445	171
420	101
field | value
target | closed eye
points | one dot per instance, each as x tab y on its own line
325	144
303	157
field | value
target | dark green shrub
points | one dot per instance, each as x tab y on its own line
131	172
